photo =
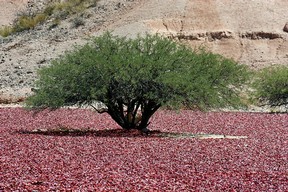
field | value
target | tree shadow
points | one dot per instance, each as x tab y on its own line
62	131
91	132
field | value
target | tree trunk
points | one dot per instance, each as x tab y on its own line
132	119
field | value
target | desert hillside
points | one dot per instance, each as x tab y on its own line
251	32
9	10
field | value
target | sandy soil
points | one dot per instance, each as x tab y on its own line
9	10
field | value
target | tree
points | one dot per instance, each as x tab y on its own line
133	78
271	86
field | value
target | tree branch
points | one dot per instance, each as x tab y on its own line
102	110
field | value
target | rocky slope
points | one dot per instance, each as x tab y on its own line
251	32
23	53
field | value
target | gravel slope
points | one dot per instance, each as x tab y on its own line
21	55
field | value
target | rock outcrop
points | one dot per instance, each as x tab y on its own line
250	32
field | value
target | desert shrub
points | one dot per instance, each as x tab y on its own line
62	9
25	22
78	21
58	10
5	31
271	86
133	78
22	23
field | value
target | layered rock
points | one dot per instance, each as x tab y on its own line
250	32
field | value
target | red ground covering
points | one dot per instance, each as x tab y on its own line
101	160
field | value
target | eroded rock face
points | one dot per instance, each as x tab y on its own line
250	32
257	49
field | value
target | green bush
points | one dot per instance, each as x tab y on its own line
135	77
271	86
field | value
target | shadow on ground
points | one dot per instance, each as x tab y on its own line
90	132
124	133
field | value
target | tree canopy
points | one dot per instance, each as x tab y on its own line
133	78
271	85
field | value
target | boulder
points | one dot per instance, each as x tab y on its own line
286	27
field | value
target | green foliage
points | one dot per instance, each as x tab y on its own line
134	77
271	86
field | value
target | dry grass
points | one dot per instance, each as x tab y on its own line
58	11
10	100
6	31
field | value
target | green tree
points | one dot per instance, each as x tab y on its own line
133	78
271	86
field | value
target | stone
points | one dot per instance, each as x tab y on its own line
285	29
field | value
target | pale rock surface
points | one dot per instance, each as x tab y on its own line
250	32
9	10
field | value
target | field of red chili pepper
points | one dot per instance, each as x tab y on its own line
99	156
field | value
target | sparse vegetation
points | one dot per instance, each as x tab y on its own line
78	21
54	23
6	31
58	11
28	22
69	7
